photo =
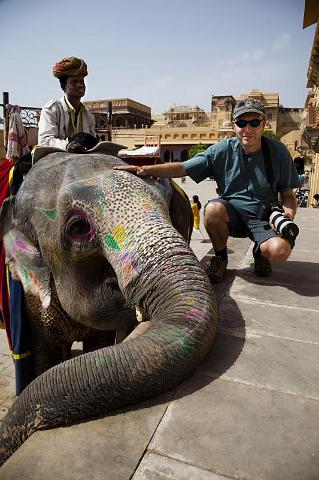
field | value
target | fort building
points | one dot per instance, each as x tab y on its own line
126	113
180	127
309	138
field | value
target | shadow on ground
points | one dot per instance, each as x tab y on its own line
301	278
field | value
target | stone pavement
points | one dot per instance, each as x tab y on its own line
250	411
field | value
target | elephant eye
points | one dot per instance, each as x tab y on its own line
79	227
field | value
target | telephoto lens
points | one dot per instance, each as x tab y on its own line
285	227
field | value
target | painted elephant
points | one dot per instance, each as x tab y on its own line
90	243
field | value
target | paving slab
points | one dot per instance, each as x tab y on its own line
7	389
4	350
284	365
5	361
292	283
105	448
241	431
299	276
300	295
246	315
158	467
9	370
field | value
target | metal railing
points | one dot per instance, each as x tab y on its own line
30	118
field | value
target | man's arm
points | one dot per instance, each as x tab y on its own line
289	203
165	170
48	129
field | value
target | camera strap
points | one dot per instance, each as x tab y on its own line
243	170
267	164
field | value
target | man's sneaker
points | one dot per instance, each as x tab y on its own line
262	266
216	269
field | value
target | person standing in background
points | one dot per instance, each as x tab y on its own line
196	206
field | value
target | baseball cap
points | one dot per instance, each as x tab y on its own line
248	105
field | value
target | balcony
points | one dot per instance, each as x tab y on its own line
310	136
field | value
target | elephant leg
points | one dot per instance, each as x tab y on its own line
99	340
58	353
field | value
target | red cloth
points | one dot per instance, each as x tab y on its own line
5	168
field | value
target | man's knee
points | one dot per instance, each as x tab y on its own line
277	249
215	213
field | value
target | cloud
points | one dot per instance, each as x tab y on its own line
252	56
281	42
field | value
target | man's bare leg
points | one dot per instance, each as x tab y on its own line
216	222
276	249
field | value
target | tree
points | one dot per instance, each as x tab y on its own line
270	133
195	149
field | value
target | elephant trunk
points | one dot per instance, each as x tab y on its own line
179	300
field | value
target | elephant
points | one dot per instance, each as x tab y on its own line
89	244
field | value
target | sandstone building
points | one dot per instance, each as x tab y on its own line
126	113
180	127
309	147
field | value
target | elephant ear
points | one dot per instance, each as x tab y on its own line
26	263
6	216
180	211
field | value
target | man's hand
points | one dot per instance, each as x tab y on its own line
75	147
139	171
286	214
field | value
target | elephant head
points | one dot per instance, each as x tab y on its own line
104	240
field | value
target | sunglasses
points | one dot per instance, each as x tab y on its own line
253	123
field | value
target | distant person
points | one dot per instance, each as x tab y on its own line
61	119
250	170
196	206
316	201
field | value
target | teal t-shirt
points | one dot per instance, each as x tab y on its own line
245	193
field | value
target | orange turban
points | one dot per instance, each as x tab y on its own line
70	66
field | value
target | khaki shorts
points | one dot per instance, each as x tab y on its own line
241	226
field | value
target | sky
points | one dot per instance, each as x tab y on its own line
160	53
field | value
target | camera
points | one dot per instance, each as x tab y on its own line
274	213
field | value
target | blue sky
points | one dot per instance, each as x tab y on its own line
157	52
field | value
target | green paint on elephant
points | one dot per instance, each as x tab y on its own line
110	241
182	340
50	212
26	276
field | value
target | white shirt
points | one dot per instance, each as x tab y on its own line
54	123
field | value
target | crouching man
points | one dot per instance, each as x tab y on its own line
250	171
